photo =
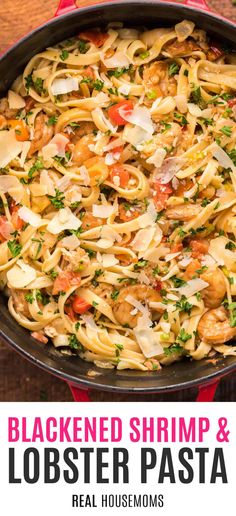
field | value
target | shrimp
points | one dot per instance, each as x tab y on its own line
81	151
182	212
215	293
122	309
214	327
19	301
181	48
89	221
156	76
5	110
42	134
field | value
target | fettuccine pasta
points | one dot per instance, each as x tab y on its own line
118	197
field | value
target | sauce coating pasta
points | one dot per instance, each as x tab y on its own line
118	196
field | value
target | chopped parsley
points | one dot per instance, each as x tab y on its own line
196	97
181	118
42	298
97	273
52	120
29	298
140	264
175	348
53	274
38	165
14	247
156	271
178	282
226	130
64	55
118	72
231	246
151	95
183	335
183	305
173	69
232	309
115	294
83	46
57	199
74	343
98	85
94	304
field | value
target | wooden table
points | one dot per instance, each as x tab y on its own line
19	380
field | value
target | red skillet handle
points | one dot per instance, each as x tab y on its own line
205	393
65	6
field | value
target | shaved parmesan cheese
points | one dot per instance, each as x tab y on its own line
45	180
181	102
90	323
63	184
135	135
56	147
84	175
140	116
25	150
15	101
64	219
112	157
134	302
108	237
29	216
149	342
194	110
7	182
186	261
151	210
223	158
38	190
162	106
107	260
70	242
20	275
124	89
157	158
192	287
143	278
145	220
171	256
143	239
61	86
113	144
10	147
119	60
102	211
169	168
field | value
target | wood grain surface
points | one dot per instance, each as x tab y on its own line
19	380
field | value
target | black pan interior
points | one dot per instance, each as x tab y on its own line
139	13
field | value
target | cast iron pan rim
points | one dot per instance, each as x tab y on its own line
70	378
109	6
95	385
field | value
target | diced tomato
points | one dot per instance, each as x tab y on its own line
232	102
79	305
22	133
5	229
119	172
65	280
88	72
177	248
161	194
70	312
95	36
158	285
127	214
191	269
39	336
17	222
114	111
199	247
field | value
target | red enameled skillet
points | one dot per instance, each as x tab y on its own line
68	21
